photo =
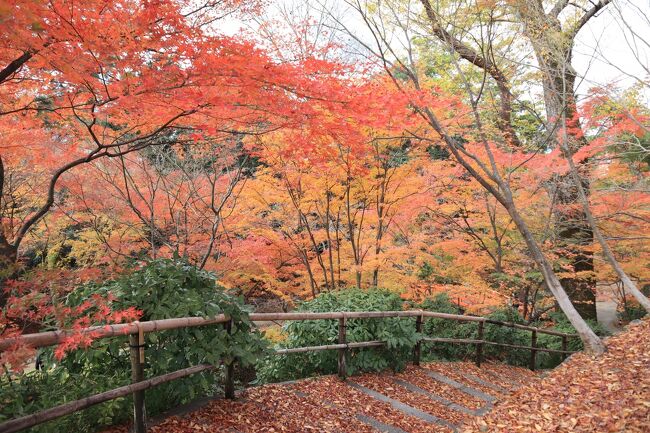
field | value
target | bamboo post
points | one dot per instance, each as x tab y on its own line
533	350
417	350
27	421
229	379
479	346
343	351
136	349
564	347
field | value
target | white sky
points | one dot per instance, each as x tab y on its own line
614	46
607	52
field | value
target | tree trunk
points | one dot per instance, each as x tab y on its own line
553	50
328	224
8	257
351	233
381	202
502	193
575	241
587	335
607	252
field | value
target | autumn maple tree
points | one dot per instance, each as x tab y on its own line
301	158
101	90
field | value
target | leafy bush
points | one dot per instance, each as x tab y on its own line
503	334
399	333
162	289
562	324
443	328
38	390
632	310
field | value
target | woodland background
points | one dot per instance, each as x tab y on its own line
161	158
301	156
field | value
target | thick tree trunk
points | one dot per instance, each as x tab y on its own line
8	251
553	50
478	58
502	193
8	257
574	241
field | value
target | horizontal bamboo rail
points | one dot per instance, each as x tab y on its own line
529	328
516	346
452	340
356	345
333	315
51	338
136	331
28	421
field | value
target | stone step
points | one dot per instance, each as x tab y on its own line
485	383
450	404
378	425
372	422
404	408
513	385
454	384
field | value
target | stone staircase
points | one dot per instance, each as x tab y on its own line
435	397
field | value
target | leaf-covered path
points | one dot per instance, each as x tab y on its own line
437	397
608	393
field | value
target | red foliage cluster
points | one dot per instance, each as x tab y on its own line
37	305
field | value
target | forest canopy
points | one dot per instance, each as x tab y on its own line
424	147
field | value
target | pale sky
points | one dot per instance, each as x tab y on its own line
614	47
617	55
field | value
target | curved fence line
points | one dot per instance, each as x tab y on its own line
136	330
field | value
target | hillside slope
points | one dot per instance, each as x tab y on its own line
610	393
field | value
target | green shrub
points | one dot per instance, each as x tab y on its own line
506	335
162	289
38	390
632	310
561	324
444	328
399	333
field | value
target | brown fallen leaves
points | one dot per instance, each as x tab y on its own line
609	393
327	404
384	385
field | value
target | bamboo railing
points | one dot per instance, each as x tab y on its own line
136	333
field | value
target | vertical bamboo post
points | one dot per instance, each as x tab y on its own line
343	351
564	346
533	350
229	379
417	350
136	349
479	345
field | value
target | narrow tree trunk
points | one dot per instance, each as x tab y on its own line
587	335
329	237
381	201
351	233
502	193
607	252
312	281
